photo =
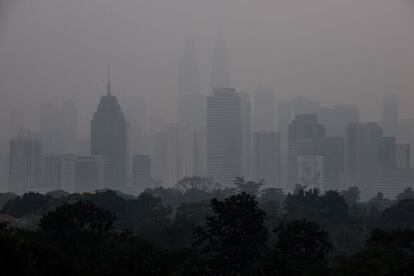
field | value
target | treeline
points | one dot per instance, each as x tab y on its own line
199	228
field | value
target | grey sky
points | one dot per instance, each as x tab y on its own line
335	51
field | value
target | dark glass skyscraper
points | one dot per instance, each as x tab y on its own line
109	139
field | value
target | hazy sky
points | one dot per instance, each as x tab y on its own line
336	51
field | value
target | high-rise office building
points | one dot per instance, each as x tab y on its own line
403	156
109	139
166	156
389	114
337	118
310	171
406	133
266	158
190	101
90	172
68	173
68	126
51	171
51	134
141	173
24	163
16	122
284	118
305	137
362	156
302	106
224	135
246	114
332	150
387	153
264	110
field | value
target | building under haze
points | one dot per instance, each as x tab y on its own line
141	173
190	100
363	142
246	115
224	135
25	162
305	138
266	158
109	139
389	115
264	110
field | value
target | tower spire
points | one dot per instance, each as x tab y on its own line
109	80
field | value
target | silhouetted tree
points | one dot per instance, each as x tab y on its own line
408	193
248	187
27	204
400	215
351	195
304	246
234	237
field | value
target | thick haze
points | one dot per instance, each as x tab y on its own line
335	51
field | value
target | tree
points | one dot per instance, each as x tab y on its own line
27	204
303	246
408	193
351	195
400	215
379	202
234	237
85	233
248	187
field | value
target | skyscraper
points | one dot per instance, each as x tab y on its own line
16	122
24	163
141	173
246	114
266	158
68	126
403	156
51	135
362	156
220	71
224	135
389	114
109	139
264	110
305	137
332	150
190	101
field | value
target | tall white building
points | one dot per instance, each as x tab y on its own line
24	163
224	135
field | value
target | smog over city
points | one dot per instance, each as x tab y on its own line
191	137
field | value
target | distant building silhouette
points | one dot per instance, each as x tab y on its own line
305	138
332	150
224	135
266	158
141	173
246	116
403	156
389	115
25	157
264	110
362	156
109	139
